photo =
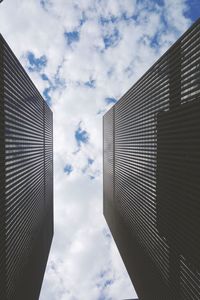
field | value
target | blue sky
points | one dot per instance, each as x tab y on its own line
193	11
83	56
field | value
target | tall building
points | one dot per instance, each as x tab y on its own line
151	193
26	181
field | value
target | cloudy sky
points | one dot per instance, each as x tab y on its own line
83	55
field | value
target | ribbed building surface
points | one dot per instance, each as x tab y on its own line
152	174
26	181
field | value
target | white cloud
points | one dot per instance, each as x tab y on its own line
84	262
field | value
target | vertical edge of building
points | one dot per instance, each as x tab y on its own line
2	179
108	163
48	139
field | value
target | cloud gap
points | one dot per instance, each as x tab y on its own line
36	64
71	36
81	136
68	169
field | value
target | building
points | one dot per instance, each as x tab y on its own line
26	181
151	146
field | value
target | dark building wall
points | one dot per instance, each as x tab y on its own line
27	165
152	163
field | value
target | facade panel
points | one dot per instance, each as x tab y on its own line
27	164
156	154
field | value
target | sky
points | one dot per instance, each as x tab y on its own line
83	55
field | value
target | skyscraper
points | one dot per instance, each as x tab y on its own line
151	181
26	181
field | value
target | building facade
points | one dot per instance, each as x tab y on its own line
26	181
151	195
